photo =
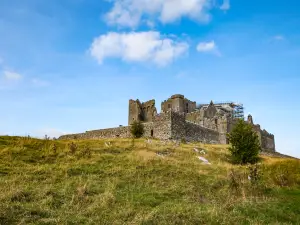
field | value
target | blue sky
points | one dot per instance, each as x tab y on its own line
72	65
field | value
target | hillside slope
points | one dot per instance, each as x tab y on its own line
141	182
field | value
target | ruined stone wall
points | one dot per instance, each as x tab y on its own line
219	123
162	126
170	125
178	103
183	129
224	124
166	105
143	112
118	132
197	133
160	129
267	141
195	117
72	136
149	111
178	126
190	105
134	111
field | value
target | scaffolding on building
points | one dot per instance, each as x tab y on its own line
236	109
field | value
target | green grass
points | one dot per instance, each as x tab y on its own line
44	182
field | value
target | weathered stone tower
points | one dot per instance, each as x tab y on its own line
177	103
143	112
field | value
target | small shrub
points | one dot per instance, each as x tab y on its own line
183	141
73	148
245	145
21	196
87	151
255	174
235	180
54	148
137	129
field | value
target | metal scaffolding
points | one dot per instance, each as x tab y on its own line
238	110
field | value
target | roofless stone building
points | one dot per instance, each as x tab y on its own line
181	119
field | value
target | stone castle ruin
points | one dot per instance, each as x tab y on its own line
182	119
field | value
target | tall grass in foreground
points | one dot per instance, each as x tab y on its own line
124	182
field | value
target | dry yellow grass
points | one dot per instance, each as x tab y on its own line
117	181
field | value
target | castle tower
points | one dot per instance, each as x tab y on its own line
250	119
135	111
178	103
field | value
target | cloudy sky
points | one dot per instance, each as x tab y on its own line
72	65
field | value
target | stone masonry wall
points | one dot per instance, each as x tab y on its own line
160	129
182	129
178	126
267	141
162	126
170	125
121	132
195	132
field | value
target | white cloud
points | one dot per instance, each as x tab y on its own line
137	47
225	6
208	47
130	13
9	75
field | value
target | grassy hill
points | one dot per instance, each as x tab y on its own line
121	182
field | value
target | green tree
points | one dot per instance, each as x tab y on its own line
137	129
245	145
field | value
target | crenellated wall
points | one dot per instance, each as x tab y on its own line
267	141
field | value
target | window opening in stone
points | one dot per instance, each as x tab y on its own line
151	133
